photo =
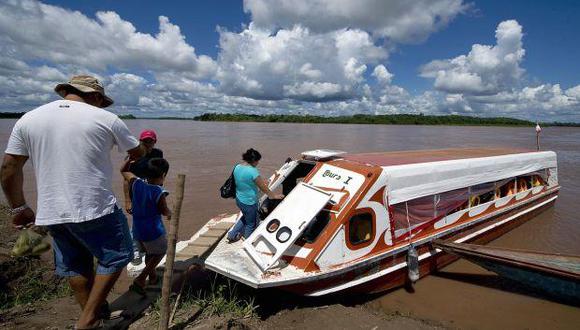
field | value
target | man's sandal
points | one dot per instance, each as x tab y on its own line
98	325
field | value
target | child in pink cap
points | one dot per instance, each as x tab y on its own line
148	139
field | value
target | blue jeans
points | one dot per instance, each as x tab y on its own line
247	223
106	239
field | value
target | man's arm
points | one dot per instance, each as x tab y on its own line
136	153
128	178
12	178
127	196
127	175
162	206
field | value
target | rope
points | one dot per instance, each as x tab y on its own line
408	222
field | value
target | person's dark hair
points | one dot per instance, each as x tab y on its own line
157	167
251	155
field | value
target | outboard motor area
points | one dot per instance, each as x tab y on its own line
285	224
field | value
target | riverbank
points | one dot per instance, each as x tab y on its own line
214	302
28	285
32	298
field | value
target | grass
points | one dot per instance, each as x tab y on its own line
224	299
33	283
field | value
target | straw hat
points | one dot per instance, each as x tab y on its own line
85	84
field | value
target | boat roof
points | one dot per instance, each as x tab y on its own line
414	174
426	156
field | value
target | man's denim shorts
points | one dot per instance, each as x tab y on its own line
106	239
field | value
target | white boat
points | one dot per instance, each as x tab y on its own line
348	221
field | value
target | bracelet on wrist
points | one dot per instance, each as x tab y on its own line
18	210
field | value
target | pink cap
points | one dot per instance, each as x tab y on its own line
148	134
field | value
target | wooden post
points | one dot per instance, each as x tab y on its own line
538	130
170	258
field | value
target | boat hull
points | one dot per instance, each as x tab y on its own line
391	271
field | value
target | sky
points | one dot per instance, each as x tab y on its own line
321	57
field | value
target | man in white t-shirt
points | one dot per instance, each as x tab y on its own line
69	143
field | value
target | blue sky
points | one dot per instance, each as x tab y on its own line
366	56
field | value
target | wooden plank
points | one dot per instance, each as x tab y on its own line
222	225
214	233
192	251
204	241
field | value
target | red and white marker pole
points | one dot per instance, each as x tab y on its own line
538	130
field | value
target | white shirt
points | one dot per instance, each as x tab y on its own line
69	144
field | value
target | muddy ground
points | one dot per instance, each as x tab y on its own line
57	309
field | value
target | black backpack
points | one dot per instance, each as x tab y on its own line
228	189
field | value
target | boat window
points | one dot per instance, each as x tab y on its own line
420	211
360	228
301	170
451	202
399	214
523	183
538	180
481	193
505	188
316	227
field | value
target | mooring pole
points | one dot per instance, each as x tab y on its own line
170	258
538	130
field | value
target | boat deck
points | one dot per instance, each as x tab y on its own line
426	156
233	261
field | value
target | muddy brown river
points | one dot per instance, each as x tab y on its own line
462	295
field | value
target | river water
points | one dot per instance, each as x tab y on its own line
206	151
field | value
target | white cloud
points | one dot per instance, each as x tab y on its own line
32	30
382	75
313	90
486	69
294	63
399	20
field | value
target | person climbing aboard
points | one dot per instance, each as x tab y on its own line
147	141
149	205
248	180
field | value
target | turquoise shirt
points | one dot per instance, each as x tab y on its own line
246	188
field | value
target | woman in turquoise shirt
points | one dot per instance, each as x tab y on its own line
248	180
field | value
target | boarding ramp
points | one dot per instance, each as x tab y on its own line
278	232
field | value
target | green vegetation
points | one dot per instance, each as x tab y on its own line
223	298
11	115
402	119
28	280
127	117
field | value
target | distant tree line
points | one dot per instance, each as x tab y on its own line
401	119
11	115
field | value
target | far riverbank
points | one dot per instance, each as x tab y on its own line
396	119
